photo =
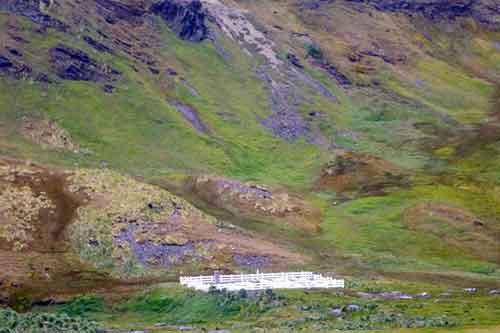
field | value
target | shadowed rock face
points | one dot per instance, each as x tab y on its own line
430	8
186	18
76	65
116	11
15	69
31	10
5	62
486	12
97	45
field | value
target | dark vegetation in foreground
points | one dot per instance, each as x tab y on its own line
13	322
169	309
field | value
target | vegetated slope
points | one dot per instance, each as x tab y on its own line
67	232
378	116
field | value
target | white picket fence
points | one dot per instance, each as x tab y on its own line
262	281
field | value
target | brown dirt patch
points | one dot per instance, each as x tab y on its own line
44	267
52	218
47	134
255	201
455	226
355	175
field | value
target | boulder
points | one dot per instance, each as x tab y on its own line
423	295
470	290
185	328
395	295
353	308
389	295
336	312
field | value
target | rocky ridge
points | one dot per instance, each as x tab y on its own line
486	12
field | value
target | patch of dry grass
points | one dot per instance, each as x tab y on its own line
19	211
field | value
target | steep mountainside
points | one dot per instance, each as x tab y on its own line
360	136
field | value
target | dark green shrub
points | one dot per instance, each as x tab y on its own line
198	307
20	302
13	322
314	51
242	294
82	305
152	303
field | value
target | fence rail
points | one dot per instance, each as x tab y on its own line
261	281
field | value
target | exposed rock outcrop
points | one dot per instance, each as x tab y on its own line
14	68
486	12
97	45
191	116
332	70
76	65
317	59
294	60
115	11
5	62
32	9
236	25
185	17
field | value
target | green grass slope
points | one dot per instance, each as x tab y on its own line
421	105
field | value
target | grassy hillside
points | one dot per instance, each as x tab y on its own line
344	135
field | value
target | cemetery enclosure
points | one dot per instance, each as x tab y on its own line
262	281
